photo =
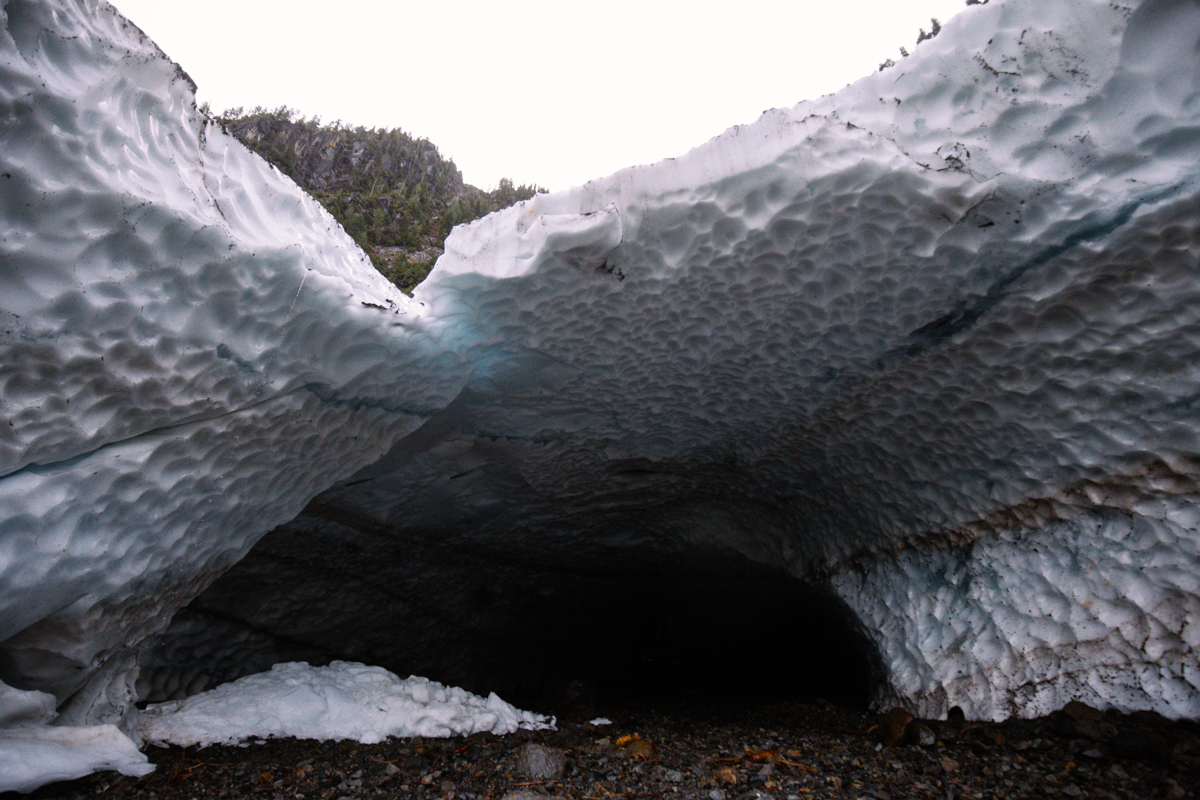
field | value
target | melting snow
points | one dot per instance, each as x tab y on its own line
339	701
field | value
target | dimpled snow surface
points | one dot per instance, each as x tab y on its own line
935	330
190	347
930	341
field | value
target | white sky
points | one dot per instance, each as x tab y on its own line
553	93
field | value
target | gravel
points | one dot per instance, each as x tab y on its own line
782	751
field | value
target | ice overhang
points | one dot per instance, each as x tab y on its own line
927	345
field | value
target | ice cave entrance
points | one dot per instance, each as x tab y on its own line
637	628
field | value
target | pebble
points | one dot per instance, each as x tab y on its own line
755	794
523	794
891	727
779	751
1186	754
921	734
540	763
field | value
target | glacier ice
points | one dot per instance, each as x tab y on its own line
190	348
184	333
929	342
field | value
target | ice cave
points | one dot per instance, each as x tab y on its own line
901	384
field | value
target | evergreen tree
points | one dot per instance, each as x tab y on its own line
393	194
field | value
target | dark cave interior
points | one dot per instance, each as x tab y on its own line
630	624
704	637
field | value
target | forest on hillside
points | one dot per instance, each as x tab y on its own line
395	194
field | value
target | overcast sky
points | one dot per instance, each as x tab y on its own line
553	93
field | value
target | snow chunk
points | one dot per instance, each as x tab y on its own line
341	701
32	753
36	755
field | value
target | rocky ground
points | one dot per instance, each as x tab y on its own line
784	751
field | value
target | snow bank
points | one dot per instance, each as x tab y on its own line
340	701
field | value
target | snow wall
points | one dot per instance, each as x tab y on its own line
930	342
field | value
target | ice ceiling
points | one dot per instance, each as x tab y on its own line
929	346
